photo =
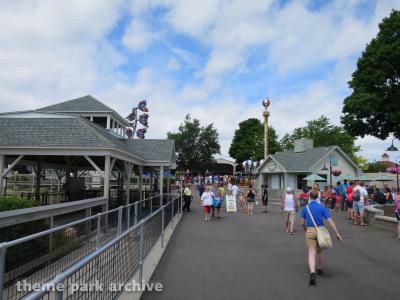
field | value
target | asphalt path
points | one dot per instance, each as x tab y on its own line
251	257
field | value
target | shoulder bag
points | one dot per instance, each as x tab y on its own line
323	236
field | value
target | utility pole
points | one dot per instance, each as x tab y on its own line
266	102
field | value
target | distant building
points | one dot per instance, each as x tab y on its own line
289	168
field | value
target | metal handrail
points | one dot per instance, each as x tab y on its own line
5	245
45	232
61	277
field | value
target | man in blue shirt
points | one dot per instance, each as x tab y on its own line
344	187
319	213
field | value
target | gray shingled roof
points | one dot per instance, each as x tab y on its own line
301	161
153	150
75	131
81	104
55	132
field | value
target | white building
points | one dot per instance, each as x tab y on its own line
289	168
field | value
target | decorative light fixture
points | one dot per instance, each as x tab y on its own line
133	118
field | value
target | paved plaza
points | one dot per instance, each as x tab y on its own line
251	257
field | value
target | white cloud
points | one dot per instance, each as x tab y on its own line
137	36
173	64
56	50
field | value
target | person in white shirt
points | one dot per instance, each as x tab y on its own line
360	194
187	198
207	199
289	207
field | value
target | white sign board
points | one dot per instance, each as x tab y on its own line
230	203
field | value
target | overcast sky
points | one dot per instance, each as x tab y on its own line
214	59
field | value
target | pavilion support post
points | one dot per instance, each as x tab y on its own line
140	183
168	183
161	184
128	173
151	187
107	165
2	163
38	179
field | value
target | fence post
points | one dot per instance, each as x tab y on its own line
151	205
128	217
98	230
3	251
59	295
172	214
162	226
119	228
141	252
136	214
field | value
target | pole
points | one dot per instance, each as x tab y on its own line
2	161
397	174
266	114
330	173
141	252
3	250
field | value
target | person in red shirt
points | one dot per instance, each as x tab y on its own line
349	197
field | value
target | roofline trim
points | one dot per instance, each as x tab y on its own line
341	152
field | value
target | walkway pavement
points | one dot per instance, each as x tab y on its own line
251	257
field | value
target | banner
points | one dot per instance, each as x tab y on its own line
230	203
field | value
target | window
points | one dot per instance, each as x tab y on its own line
301	183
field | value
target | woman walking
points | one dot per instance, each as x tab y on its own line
207	202
265	198
319	213
251	199
217	203
289	205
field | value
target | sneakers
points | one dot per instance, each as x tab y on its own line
312	279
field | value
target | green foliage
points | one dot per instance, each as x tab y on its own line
248	141
15	202
196	145
375	167
362	162
374	106
324	134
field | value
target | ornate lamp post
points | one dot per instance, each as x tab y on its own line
392	148
266	102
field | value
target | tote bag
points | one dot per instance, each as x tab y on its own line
323	236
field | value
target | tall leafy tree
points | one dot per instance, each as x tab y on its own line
248	141
324	134
195	145
374	106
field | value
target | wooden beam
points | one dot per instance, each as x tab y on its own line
97	167
12	165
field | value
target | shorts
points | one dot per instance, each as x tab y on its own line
290	216
358	207
397	216
311	237
251	200
350	204
265	201
207	208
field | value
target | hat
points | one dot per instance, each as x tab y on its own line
289	190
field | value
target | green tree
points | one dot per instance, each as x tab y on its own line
375	167
195	145
362	162
374	106
324	134
248	141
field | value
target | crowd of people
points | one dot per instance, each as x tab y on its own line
316	207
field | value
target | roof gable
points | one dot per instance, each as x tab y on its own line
301	161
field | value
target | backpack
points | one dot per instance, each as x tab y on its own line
357	195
